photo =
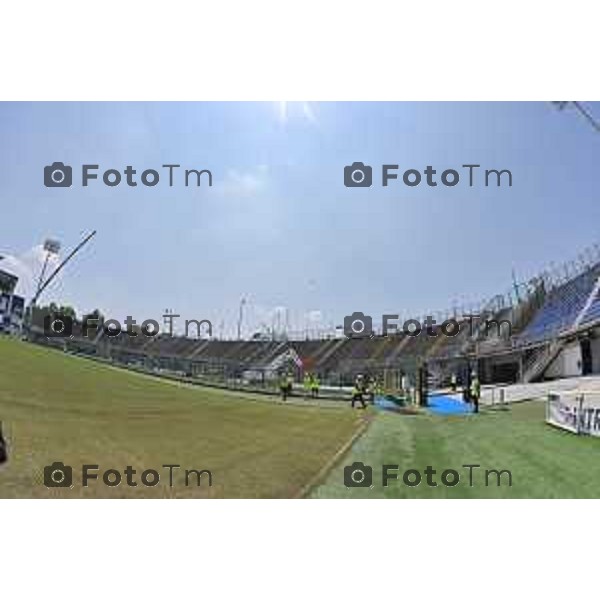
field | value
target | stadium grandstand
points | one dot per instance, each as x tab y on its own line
546	328
11	305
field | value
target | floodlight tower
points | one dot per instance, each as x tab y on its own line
240	318
61	266
51	248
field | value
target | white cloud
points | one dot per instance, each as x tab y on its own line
290	110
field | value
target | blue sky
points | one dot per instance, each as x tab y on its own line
278	226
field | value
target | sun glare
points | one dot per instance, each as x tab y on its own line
293	110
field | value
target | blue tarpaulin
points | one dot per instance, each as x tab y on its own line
448	405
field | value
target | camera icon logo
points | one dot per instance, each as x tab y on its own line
58	175
358	475
358	175
58	475
358	325
58	326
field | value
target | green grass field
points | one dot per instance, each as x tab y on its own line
544	462
57	407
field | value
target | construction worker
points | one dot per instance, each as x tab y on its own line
466	388
314	385
307	384
285	386
475	392
358	391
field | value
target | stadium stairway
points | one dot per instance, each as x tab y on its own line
198	349
320	352
399	349
439	347
541	359
327	357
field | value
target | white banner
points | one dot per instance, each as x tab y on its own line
576	413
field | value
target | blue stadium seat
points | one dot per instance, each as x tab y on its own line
561	308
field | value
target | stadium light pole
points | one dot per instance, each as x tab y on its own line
240	318
61	266
51	248
516	287
561	105
287	321
588	116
